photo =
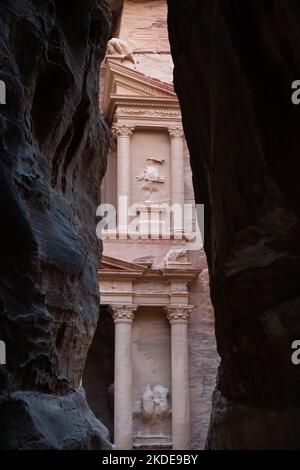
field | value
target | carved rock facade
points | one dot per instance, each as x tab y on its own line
154	265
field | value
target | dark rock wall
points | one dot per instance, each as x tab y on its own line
234	65
116	8
53	156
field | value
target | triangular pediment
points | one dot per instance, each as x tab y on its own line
119	266
121	81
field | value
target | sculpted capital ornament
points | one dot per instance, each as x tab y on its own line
123	313
176	132
124	131
180	313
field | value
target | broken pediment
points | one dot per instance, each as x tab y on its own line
114	265
131	86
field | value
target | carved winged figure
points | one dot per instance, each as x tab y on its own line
118	47
155	405
148	404
162	407
179	256
151	174
150	177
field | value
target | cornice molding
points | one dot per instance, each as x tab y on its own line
168	275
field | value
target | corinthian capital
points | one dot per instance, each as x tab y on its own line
176	132
123	313
122	130
180	313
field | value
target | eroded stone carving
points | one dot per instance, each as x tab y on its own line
178	312
123	313
176	132
148	260
151	179
151	174
125	131
155	160
117	47
154	405
177	256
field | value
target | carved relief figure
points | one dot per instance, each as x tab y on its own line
179	255
151	178
117	47
148	408
154	404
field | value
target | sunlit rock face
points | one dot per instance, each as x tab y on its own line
234	66
53	148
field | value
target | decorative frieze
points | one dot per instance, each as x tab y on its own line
146	112
125	104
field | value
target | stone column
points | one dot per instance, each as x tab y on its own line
177	173
123	133
123	316
178	317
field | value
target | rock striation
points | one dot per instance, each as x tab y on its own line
234	66
53	155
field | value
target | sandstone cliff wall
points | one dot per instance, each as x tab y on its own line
234	65
53	151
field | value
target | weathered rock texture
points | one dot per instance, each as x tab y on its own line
116	8
53	147
203	359
143	27
234	65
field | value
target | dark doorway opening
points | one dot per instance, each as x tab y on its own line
98	376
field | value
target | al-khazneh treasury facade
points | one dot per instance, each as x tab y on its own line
154	286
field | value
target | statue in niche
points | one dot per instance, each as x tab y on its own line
154	405
151	178
117	47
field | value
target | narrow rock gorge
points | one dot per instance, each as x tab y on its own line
53	156
235	62
234	65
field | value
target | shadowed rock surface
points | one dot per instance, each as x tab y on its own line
53	148
234	65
